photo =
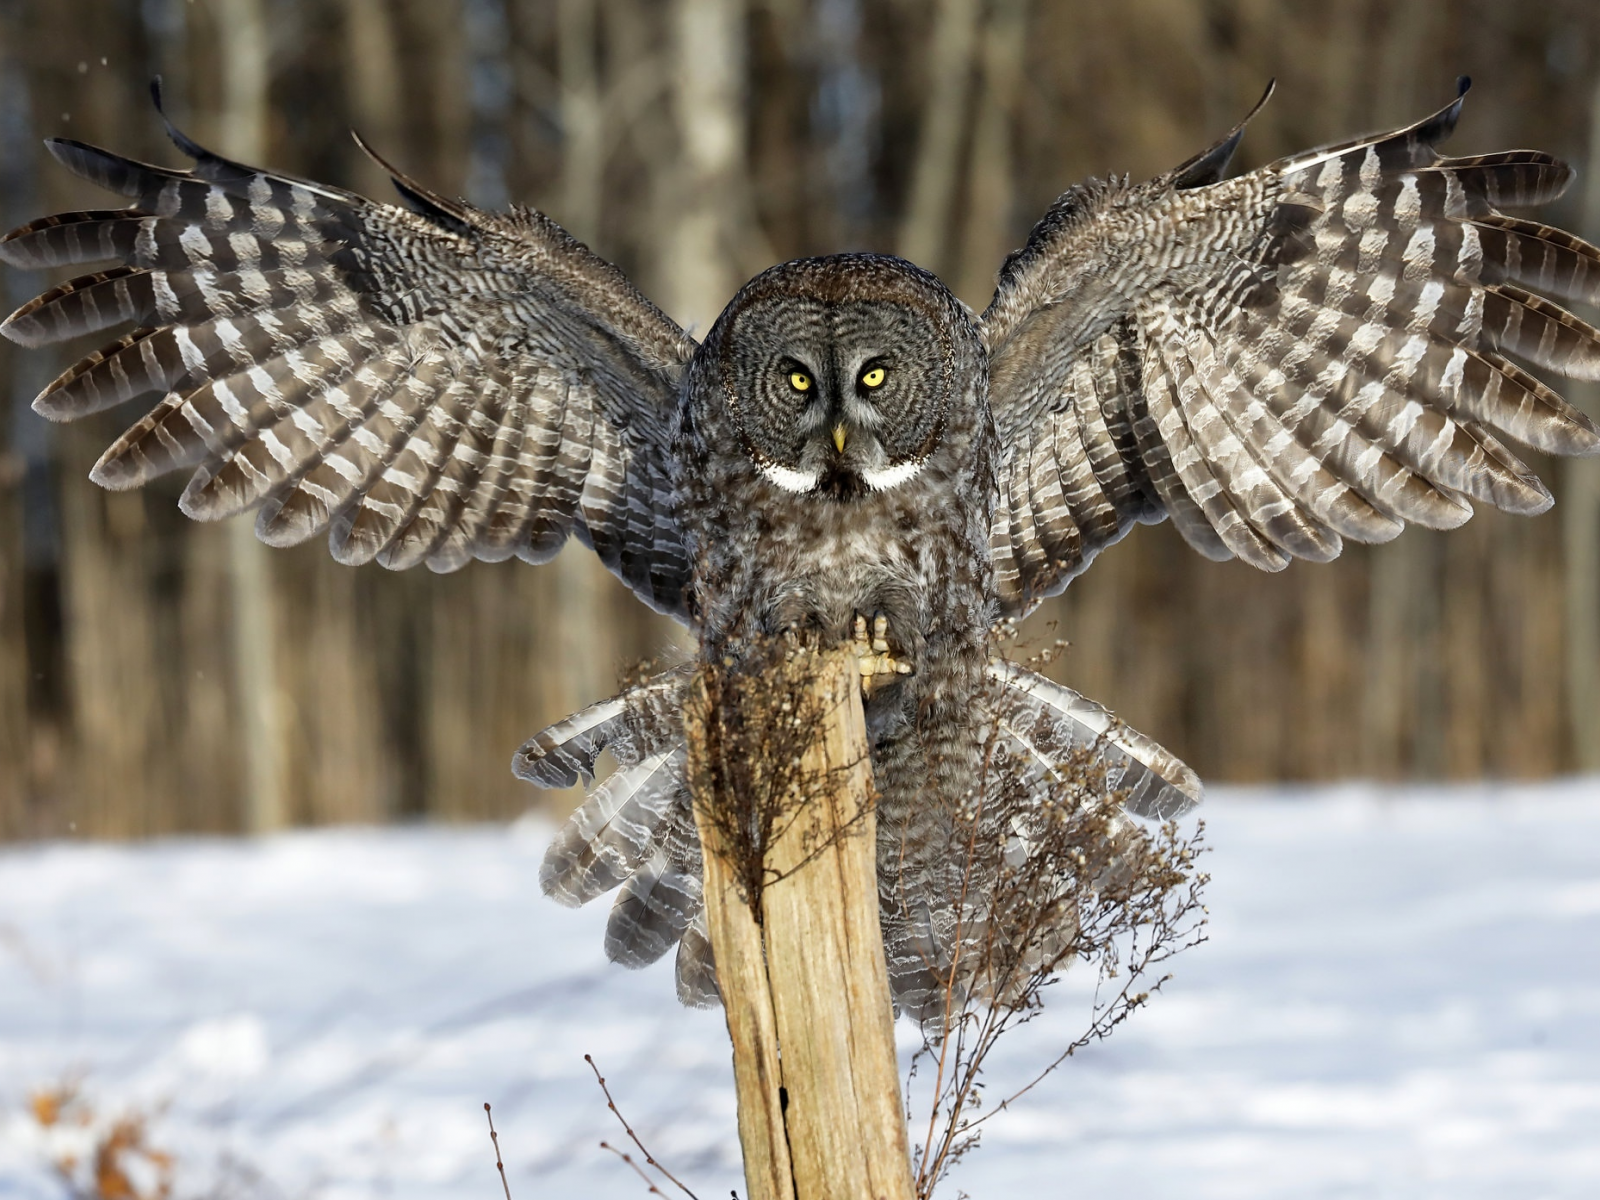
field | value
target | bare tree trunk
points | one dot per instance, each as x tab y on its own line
121	770
16	170
1468	560
925	233
582	126
708	90
372	66
118	768
1580	529
1528	567
1241	715
13	653
991	179
256	676
211	770
1386	705
577	593
1327	675
242	32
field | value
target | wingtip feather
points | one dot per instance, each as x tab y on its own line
441	210
56	403
14	252
116	473
24	329
1210	165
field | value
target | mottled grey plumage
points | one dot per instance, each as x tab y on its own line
1317	350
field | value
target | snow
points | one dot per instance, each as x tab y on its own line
1400	998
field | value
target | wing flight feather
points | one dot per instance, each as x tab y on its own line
432	385
1319	350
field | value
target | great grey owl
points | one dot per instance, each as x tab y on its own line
1320	349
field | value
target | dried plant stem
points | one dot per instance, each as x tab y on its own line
1052	871
952	1004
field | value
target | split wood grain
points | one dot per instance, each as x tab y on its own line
803	980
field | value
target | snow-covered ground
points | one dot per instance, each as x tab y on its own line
1400	998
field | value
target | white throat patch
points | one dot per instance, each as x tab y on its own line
787	478
889	477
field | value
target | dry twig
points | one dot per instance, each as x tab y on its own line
1053	871
763	720
634	1138
495	1138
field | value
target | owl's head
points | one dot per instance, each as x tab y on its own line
841	374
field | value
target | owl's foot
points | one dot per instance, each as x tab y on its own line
879	668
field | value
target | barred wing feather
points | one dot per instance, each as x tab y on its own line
431	384
1325	348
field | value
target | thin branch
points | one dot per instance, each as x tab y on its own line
495	1138
637	1170
634	1138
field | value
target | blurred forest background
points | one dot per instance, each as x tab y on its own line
157	675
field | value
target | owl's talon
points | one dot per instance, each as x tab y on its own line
879	667
880	633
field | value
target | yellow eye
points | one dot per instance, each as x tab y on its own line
800	381
872	378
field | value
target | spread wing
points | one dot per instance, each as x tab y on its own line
426	385
1321	349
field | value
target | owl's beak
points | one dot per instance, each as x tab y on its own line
839	433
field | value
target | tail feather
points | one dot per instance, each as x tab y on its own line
614	830
696	972
559	756
634	830
652	912
1158	785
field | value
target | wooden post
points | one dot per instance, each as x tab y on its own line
803	979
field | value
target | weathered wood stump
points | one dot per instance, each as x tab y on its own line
799	958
